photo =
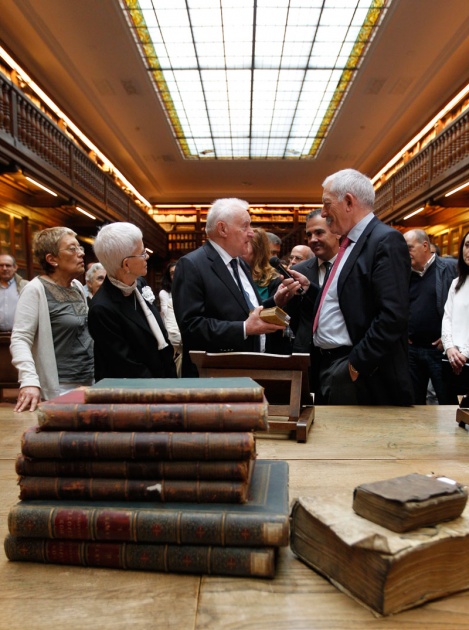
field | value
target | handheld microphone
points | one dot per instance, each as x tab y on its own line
275	262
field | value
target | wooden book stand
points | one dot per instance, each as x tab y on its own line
284	377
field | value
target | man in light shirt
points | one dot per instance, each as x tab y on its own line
11	285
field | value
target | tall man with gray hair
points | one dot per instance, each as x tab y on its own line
360	317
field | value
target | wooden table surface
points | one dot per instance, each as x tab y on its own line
346	446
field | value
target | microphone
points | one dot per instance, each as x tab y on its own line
275	262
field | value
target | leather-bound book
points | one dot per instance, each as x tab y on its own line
137	445
197	559
55	415
155	490
174	390
131	469
384	570
262	521
410	502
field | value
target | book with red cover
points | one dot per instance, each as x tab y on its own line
262	521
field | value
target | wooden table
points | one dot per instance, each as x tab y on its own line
346	446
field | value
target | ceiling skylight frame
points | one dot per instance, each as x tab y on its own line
293	123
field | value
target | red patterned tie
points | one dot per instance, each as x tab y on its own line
343	246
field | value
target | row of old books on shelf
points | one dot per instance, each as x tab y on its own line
152	474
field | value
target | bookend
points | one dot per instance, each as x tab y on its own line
284	377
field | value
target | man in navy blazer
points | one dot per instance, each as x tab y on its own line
361	332
213	312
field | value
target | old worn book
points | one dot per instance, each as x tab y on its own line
275	315
385	570
409	502
174	390
262	521
197	559
56	415
155	490
133	469
137	445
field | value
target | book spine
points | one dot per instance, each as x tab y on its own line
128	469
153	395
71	488
235	561
168	526
156	417
137	445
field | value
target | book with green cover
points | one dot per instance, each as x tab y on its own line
262	521
177	390
202	559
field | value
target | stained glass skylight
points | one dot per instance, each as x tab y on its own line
253	79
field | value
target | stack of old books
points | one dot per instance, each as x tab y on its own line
100	459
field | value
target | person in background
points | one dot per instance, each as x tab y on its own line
298	254
275	244
267	281
360	319
165	292
216	302
430	281
129	335
11	285
50	343
94	279
455	326
168	316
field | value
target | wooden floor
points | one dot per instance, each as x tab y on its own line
346	446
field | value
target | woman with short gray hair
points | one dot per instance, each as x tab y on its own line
50	343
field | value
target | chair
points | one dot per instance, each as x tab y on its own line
284	377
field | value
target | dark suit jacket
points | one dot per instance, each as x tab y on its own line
373	290
301	322
209	307
124	346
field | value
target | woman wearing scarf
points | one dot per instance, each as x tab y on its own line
130	340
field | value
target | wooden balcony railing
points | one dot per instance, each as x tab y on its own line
30	138
429	172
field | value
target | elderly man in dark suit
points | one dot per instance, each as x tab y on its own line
216	303
360	319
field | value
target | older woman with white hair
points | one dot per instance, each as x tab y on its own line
129	335
94	279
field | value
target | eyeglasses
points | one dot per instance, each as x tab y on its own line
144	255
73	249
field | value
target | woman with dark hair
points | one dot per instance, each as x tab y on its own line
50	343
455	325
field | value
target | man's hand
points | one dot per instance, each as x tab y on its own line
289	288
257	326
438	344
28	397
